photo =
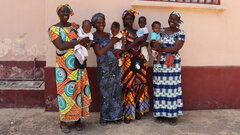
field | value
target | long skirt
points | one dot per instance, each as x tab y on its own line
73	89
135	90
167	88
109	83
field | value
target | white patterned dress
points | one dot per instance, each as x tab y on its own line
167	84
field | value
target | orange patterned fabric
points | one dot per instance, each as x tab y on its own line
135	90
73	90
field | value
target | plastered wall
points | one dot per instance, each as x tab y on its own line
22	30
211	35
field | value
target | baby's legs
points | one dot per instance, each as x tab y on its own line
159	57
119	57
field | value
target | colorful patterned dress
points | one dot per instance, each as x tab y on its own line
109	83
73	90
135	90
167	83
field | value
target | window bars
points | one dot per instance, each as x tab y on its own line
213	2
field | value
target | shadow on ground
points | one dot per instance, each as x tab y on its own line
38	122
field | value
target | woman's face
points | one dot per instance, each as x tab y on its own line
64	13
100	24
173	21
128	20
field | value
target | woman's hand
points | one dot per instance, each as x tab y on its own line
117	53
159	49
141	39
114	40
64	45
142	44
84	41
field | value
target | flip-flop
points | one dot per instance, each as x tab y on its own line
173	121
103	122
127	121
159	120
78	126
118	122
138	116
64	128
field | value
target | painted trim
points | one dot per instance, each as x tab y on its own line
21	98
211	87
21	70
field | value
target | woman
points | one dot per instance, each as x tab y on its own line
108	72
167	80
135	90
72	83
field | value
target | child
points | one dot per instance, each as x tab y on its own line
156	38
143	31
115	27
80	51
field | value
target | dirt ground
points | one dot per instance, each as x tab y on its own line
202	122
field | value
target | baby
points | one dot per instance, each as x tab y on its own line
80	51
115	27
156	38
143	31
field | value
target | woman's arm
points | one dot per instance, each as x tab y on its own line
136	41
128	47
67	45
177	46
123	43
101	51
142	44
143	38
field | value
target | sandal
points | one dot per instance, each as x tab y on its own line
127	121
64	127
159	120
118	122
138	116
173	121
78	125
103	122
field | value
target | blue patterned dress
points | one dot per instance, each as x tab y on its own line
109	83
167	84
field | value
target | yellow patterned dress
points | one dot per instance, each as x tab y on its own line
135	90
73	89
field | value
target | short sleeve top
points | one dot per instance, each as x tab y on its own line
142	31
155	36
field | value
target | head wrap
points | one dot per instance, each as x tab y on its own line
95	17
179	16
70	9
131	12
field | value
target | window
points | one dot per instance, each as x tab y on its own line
214	2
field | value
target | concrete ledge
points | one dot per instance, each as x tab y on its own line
22	85
138	3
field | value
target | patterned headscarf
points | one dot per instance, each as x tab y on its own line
60	6
95	17
179	16
131	12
